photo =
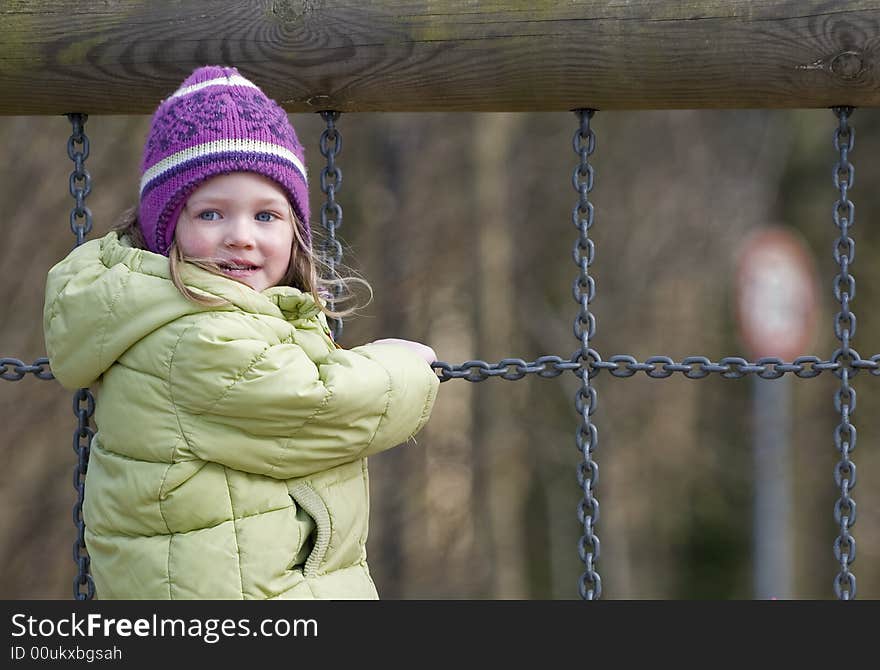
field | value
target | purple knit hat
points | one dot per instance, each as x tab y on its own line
217	122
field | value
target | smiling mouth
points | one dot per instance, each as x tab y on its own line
237	268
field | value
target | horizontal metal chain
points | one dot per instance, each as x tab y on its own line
657	367
13	369
730	367
510	369
620	365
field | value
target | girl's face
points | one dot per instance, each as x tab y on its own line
242	222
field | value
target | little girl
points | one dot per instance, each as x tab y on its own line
230	456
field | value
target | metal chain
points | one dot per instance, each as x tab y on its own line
583	290
730	367
80	179
84	409
510	369
14	370
331	212
656	367
619	365
844	328
83	401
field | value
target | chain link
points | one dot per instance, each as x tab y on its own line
583	291
83	401
84	409
657	367
844	329
619	365
730	367
14	370
509	369
331	211
80	179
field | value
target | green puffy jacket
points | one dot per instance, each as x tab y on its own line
229	460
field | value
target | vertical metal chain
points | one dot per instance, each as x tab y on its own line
83	401
331	212
845	356
80	180
84	408
584	290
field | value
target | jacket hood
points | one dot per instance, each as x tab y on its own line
106	295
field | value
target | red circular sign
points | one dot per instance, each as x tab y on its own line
776	294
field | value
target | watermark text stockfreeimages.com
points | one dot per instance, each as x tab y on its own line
210	631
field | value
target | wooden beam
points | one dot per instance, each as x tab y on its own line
123	56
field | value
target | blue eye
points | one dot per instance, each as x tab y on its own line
265	217
209	215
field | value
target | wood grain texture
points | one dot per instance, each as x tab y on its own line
123	56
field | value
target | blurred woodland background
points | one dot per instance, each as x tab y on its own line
462	223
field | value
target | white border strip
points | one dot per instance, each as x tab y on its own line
234	80
220	147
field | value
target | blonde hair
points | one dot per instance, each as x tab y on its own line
307	272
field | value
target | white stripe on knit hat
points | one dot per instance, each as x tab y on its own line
234	80
226	146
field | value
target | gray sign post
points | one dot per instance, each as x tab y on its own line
771	513
776	309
